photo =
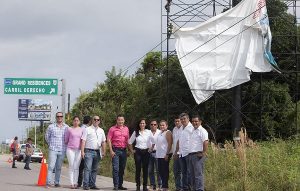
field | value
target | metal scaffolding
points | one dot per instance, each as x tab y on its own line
185	13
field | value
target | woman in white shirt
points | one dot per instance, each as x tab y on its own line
163	153
141	137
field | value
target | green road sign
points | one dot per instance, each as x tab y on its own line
31	86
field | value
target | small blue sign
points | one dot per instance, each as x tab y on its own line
7	81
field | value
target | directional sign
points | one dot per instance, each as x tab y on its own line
31	86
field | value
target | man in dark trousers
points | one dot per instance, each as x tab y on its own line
86	123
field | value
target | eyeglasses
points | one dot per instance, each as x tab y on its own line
59	116
96	119
153	124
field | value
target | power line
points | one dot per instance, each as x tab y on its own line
136	61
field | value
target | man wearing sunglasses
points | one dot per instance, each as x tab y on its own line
57	149
92	150
153	164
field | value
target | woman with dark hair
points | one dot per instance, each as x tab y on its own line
163	153
141	137
72	140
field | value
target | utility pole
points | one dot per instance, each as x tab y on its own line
236	101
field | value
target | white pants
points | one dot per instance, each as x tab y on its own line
74	158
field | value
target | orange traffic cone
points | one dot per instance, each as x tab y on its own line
43	173
9	160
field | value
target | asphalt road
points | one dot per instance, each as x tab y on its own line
26	180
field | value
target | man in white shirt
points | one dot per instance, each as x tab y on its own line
184	149
153	165
198	150
93	139
176	164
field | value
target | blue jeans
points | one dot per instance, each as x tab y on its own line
186	177
118	166
197	172
27	161
177	173
91	161
55	160
153	169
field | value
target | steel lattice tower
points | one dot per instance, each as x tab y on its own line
184	13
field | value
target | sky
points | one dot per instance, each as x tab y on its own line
75	40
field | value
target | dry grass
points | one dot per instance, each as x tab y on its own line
243	166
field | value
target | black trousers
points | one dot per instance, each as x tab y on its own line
141	159
163	170
80	175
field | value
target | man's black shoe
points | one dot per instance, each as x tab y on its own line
122	188
94	188
86	188
115	188
57	185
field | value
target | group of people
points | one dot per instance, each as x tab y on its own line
15	150
152	149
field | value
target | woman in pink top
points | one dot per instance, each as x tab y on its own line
72	140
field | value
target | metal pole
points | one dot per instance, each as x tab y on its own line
69	98
63	97
297	69
261	108
42	131
236	100
35	135
161	31
168	38
27	132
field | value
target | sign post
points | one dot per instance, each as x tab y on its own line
30	86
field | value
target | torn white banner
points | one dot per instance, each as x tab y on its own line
223	51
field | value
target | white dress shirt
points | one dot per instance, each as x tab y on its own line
153	139
162	145
184	139
142	141
198	137
176	134
94	137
